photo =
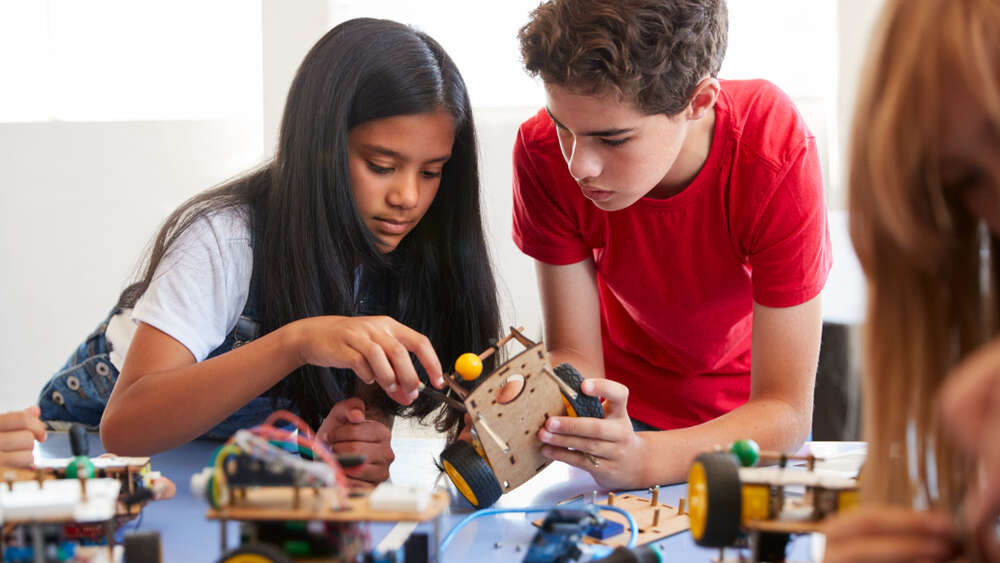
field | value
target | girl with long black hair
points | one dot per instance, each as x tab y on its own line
358	246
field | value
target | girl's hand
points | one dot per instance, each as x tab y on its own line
886	534
375	348
970	409
615	447
18	432
346	431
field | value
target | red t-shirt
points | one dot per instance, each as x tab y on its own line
677	277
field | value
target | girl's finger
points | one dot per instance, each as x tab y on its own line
399	357
380	366
421	346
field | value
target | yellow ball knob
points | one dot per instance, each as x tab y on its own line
469	366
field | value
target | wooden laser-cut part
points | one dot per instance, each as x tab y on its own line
278	503
505	423
643	511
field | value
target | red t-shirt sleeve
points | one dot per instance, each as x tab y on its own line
791	254
544	227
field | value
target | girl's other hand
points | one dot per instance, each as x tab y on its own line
615	448
18	432
970	409
346	430
377	349
887	534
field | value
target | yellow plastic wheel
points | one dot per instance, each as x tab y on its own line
715	497
468	366
697	499
256	553
471	474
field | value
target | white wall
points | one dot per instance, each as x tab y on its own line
79	203
81	197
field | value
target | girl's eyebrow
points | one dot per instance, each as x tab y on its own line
600	133
400	156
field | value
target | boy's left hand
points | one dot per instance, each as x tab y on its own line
615	447
346	430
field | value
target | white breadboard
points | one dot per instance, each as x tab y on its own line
100	462
397	498
58	499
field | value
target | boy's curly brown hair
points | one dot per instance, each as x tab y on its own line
652	53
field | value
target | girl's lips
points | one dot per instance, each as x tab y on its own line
391	227
597	195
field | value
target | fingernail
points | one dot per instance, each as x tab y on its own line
547	451
544	436
553	424
440	382
414	394
392	388
586	386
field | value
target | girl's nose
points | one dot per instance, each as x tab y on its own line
406	193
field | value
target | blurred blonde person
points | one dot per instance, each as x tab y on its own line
925	216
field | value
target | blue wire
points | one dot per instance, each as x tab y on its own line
633	527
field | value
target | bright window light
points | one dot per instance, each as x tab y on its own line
111	60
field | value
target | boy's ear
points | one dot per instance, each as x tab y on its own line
703	99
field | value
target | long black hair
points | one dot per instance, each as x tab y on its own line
309	237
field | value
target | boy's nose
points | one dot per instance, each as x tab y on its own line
583	164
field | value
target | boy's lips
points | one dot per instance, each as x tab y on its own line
596	194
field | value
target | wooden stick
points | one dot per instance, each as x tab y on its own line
562	384
493	435
524	340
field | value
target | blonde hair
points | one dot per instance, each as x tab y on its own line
931	291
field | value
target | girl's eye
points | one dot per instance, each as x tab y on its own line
430	174
379	169
614	142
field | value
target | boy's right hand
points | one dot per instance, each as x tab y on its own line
377	349
18	432
887	534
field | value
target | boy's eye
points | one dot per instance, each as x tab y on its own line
379	169
614	142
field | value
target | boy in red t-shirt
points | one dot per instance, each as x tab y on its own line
675	220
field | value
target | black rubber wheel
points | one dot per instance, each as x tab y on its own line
256	553
716	499
471	474
582	405
143	547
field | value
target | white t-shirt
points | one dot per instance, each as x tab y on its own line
198	290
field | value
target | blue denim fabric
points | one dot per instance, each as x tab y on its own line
80	390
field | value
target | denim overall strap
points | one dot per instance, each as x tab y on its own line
79	391
81	388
